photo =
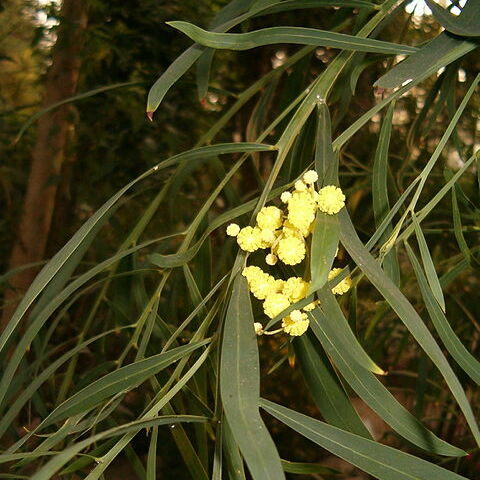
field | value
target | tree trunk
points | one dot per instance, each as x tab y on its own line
48	152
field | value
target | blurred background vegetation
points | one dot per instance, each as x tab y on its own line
108	141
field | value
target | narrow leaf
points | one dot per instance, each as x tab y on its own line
59	460
293	35
381	204
240	387
449	338
232	454
437	53
457	227
384	463
325	388
123	379
326	162
338	330
466	24
78	244
286	5
323	249
428	264
406	313
376	395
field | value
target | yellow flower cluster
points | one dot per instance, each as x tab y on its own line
278	295
343	286
296	323
284	234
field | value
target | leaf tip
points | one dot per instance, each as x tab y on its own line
150	115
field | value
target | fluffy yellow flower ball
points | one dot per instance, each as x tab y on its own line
301	210
291	250
295	288
279	285
296	323
267	238
271	259
232	230
330	199
262	285
288	230
310	177
285	197
300	186
258	328
269	218
310	306
249	239
251	272
274	304
343	286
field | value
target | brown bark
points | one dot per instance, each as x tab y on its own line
48	153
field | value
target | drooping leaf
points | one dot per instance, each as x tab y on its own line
240	387
323	249
59	460
384	463
466	24
381	203
449	338
294	35
338	330
406	313
325	388
123	379
376	395
435	54
326	230
428	264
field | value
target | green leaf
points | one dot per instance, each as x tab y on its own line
260	9
152	456
449	338
240	387
326	162
40	378
40	319
326	231
422	214
294	35
339	331
428	264
437	53
384	463
466	24
59	460
381	204
323	250
376	396
232	10
230	16
232	454
162	400
457	226
123	379
325	387
406	313
307	468
287	5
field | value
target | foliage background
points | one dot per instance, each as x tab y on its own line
113	142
